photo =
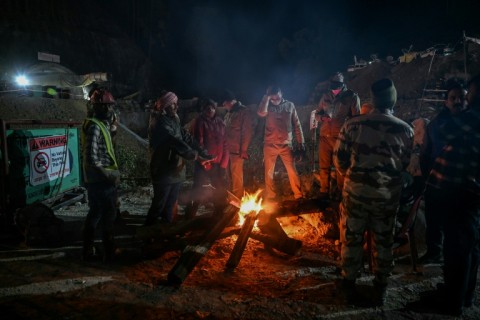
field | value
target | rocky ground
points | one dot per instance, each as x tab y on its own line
38	282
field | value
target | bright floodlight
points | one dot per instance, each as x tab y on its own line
22	80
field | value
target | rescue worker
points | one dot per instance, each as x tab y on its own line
170	145
434	141
239	132
455	178
209	131
101	175
336	106
371	152
281	124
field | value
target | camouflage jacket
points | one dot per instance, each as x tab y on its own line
371	152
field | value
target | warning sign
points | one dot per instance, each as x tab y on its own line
49	159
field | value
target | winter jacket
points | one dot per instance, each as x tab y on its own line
210	134
339	109
239	129
169	144
434	141
282	123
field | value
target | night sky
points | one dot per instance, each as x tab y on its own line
245	45
198	48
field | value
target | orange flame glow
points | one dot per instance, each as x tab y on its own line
249	203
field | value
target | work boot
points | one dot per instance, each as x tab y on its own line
109	249
88	250
191	210
348	290
379	293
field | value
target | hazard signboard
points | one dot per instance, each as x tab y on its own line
49	159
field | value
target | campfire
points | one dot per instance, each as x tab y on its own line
250	204
254	222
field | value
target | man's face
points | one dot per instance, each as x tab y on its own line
275	99
456	100
171	110
209	111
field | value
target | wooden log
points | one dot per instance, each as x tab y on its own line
157	249
269	225
163	231
192	254
295	208
286	245
242	240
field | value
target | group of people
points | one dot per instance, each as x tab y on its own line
366	146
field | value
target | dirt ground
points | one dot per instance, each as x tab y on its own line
53	283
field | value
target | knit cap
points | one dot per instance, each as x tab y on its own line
167	99
384	94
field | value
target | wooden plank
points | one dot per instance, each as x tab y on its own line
192	254
242	240
286	245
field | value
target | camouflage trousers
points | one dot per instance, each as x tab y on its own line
357	215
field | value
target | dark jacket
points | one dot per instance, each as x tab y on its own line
210	134
239	129
339	109
169	145
434	141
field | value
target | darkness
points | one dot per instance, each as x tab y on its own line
245	45
196	47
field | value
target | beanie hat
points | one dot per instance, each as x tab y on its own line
227	95
167	99
384	94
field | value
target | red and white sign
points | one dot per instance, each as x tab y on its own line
49	159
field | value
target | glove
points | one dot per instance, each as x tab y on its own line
244	155
299	153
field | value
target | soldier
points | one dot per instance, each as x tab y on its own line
371	152
454	180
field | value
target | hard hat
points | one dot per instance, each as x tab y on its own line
102	96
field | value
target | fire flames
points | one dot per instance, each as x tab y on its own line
249	203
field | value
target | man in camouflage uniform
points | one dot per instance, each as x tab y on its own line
371	152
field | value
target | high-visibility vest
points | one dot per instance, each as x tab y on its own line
106	136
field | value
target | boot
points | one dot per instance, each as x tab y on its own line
348	290
88	251
379	293
191	210
109	249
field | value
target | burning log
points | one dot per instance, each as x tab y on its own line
192	254
296	208
278	239
286	245
242	240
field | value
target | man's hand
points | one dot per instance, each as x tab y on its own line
206	160
299	152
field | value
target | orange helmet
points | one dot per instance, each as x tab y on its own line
102	96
